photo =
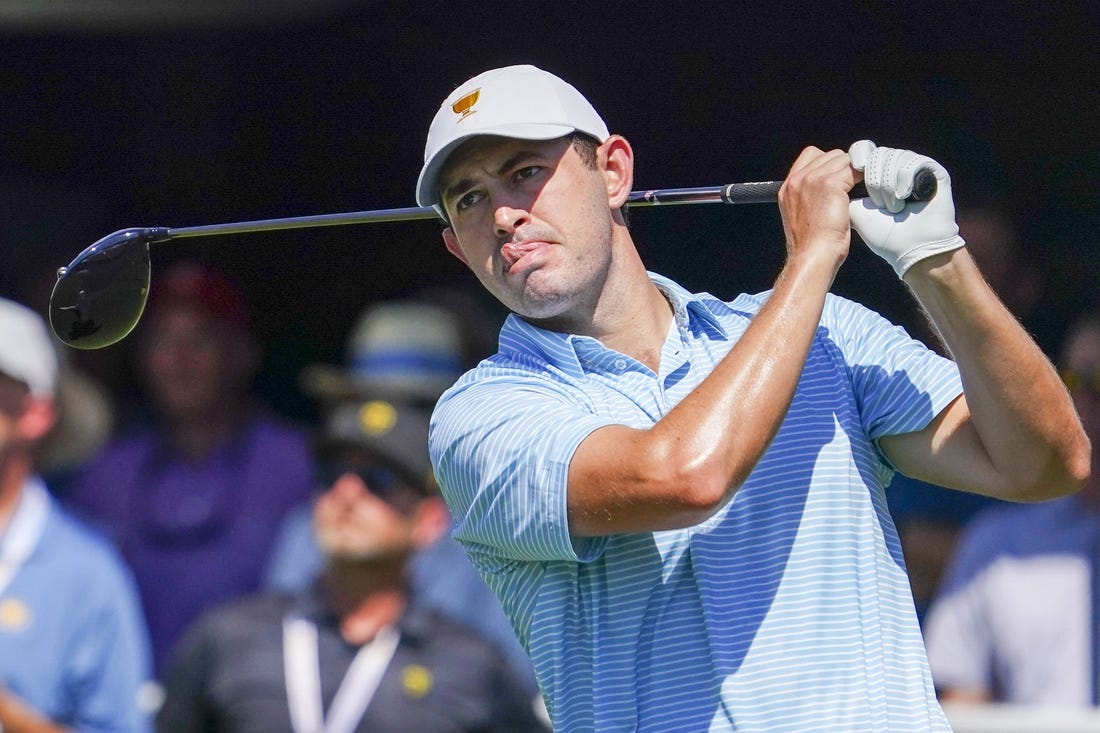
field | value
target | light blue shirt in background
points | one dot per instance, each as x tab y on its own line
73	642
788	610
1015	613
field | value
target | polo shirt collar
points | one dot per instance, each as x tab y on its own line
569	352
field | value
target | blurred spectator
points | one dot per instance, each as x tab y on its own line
85	423
1017	617
410	350
74	652
929	520
195	495
355	651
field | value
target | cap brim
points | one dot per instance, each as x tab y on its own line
331	383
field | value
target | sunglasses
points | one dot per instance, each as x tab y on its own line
382	481
1077	381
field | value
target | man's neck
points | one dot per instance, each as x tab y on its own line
364	596
198	438
14	470
631	315
642	333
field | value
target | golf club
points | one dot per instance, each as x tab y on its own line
100	296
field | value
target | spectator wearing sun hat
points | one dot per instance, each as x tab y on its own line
411	350
74	651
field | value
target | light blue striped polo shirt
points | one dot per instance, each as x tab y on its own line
788	610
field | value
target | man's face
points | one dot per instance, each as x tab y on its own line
25	419
367	512
532	221
193	364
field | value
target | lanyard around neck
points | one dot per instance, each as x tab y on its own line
302	667
23	531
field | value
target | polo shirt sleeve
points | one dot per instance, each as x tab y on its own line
501	449
900	384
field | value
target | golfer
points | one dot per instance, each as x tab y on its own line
680	500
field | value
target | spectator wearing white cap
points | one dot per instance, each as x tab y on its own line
74	651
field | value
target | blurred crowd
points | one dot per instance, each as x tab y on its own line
165	553
205	537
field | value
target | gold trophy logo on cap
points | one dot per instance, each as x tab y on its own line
464	107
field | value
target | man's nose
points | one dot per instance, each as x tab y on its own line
509	218
348	486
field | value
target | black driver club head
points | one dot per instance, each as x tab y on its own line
99	298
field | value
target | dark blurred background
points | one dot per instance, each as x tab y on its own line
119	114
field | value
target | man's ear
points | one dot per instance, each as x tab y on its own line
617	160
38	418
451	242
431	521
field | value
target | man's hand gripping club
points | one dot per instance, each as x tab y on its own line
901	232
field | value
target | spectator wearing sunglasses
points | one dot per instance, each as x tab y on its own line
411	350
355	651
194	490
1017	619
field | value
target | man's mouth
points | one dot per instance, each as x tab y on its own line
513	252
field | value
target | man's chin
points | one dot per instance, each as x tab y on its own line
350	555
542	303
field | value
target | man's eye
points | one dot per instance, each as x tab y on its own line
467	201
527	172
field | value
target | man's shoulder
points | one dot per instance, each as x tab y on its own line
434	631
247	616
525	356
84	543
81	560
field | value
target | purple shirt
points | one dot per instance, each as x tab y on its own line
195	533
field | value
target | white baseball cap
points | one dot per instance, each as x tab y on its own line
26	350
522	102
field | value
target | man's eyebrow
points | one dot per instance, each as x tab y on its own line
452	189
521	157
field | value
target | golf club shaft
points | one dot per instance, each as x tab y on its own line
754	192
732	193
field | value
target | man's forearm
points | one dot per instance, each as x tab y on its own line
1021	412
688	465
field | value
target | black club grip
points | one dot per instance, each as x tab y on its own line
762	192
924	185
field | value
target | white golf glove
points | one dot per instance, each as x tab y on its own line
902	233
